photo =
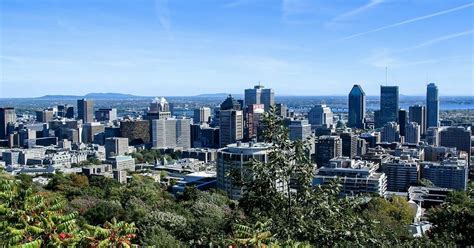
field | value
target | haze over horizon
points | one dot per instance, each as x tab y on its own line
185	48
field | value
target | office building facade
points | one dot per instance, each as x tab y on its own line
106	114
231	122
432	106
401	174
389	104
202	115
458	137
259	95
320	116
356	177
7	115
85	110
171	133
327	148
417	113
390	132
137	131
451	173
402	121
356	107
235	158
116	146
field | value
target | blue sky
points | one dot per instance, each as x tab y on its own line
188	47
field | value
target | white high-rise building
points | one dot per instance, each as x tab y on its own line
391	132
413	131
233	158
260	95
320	115
202	115
171	133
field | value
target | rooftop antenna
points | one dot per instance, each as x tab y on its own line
386	78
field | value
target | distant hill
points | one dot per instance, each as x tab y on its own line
58	97
112	96
219	95
105	96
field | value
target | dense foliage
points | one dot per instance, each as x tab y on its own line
75	210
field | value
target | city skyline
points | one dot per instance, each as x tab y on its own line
174	49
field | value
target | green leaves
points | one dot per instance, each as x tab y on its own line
30	219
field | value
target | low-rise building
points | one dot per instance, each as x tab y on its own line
356	176
451	173
122	163
401	173
203	154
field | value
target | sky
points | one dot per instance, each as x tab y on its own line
190	47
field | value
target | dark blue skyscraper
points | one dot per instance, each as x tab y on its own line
432	106
402	121
388	105
356	107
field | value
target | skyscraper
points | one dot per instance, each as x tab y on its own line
7	115
116	146
389	102
69	112
171	133
44	116
159	109
106	114
391	132
231	120
235	158
432	106
349	144
201	115
412	134
417	113
402	121
90	129
320	115
327	147
259	95
356	107
458	137
253	116
299	129
85	110
281	110
268	98
137	131
253	96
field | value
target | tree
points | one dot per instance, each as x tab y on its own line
288	162
29	220
257	235
453	220
425	183
104	211
112	234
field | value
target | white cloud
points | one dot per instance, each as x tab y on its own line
163	13
236	3
297	11
384	58
409	21
369	5
440	39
